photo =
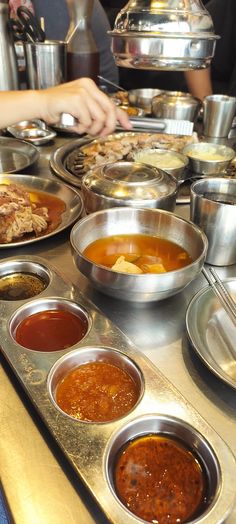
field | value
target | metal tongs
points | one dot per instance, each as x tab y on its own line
26	27
221	292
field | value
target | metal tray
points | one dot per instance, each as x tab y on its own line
16	155
72	199
34	131
90	447
213	334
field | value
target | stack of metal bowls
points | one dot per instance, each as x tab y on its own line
143	97
169	35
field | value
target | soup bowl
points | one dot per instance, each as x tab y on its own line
146	287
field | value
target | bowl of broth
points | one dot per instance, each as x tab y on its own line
139	255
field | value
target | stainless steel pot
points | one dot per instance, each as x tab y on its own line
170	35
132	184
177	105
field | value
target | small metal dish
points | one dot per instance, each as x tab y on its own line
21	280
203	157
44	305
143	97
81	356
177	429
169	161
34	131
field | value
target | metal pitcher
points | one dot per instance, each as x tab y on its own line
9	71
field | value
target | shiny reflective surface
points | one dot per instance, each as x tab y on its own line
213	334
159	332
157	222
71	199
85	445
213	209
16	155
163	35
128	184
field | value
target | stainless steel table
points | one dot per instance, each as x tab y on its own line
39	484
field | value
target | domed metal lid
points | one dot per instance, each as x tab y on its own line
124	181
167	34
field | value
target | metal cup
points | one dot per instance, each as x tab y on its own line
213	209
218	115
45	63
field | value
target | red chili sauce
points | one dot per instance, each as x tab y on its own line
159	480
51	330
97	392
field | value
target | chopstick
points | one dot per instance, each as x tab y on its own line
111	83
221	292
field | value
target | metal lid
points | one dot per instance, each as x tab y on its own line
171	34
124	181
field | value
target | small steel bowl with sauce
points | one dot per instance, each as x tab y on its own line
161	469
206	158
95	384
49	324
22	279
169	161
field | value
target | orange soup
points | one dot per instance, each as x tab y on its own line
159	480
97	392
148	253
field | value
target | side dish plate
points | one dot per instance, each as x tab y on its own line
72	200
213	334
16	155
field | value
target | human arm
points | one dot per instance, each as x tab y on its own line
95	112
199	82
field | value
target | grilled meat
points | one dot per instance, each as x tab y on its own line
18	215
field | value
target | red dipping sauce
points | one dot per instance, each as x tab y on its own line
51	330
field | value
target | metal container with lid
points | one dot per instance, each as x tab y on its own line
177	105
169	35
132	184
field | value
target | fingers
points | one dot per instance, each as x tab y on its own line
123	118
94	110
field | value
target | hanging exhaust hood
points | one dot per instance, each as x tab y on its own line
166	35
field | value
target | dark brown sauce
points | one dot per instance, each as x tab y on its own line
160	480
83	65
221	198
97	392
20	286
51	330
142	250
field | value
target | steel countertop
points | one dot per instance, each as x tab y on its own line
39	484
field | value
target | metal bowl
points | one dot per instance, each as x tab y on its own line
171	162
171	34
203	157
145	287
143	97
177	105
131	184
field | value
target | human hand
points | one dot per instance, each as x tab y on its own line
95	112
